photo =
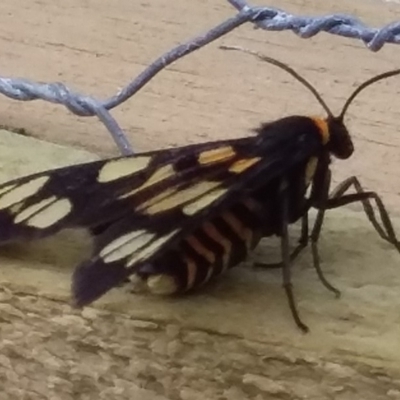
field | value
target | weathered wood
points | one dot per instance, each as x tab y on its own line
234	339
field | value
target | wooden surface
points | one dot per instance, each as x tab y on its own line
235	339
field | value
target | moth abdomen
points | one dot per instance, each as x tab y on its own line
217	245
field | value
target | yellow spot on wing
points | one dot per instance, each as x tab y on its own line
171	198
22	192
125	245
204	201
159	175
150	249
216	155
116	169
243	164
45	213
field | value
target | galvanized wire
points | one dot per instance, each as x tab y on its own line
263	17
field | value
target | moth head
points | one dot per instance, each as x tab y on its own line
337	137
340	143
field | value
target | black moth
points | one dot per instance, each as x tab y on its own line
178	217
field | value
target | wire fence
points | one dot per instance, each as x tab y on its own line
267	18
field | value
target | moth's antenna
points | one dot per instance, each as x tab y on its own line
288	69
370	81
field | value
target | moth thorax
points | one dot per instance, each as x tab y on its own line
162	284
340	143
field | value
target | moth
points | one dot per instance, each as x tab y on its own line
179	217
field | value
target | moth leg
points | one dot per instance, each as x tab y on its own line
302	244
338	198
320	202
315	233
285	250
304	238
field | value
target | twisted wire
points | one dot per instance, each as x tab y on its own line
266	18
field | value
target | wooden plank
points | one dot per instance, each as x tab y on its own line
235	339
236	336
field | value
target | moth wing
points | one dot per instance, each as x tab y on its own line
129	244
149	201
100	192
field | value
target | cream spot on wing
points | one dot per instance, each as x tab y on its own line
172	198
48	215
15	208
120	241
125	245
162	284
154	203
116	169
216	155
33	209
161	174
203	201
149	250
22	192
243	164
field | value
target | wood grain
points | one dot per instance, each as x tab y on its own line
235	339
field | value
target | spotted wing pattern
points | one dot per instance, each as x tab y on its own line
150	202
